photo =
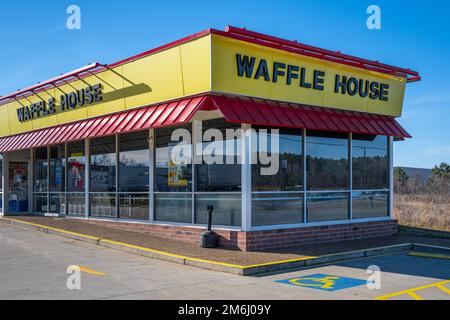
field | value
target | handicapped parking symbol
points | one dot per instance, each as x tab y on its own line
324	282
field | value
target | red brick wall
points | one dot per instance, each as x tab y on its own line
272	239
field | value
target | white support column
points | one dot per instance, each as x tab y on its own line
197	139
391	177
3	180
151	175
305	178
5	184
246	150
350	173
31	182
87	171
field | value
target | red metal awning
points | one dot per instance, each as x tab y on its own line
234	109
289	115
161	115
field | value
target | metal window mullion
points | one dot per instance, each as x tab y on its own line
391	176
66	182
246	150
87	177
350	173
151	186
48	179
305	178
31	183
117	175
194	161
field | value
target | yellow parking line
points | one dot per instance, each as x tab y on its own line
413	292
415	296
92	272
429	255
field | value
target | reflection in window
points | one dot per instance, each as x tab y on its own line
370	205
327	161
76	164
103	177
327	207
57	168
103	165
1	183
103	205
370	162
75	204
57	179
134	206
40	170
76	161
40	196
134	166
172	176
289	176
1	172
221	166
277	209
227	209
173	207
134	162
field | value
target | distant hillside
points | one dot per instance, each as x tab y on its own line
421	175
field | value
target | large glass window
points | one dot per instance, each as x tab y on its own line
370	162
103	177
370	204
57	175
76	186
220	170
218	177
173	179
40	190
277	197
134	169
1	182
327	161
40	170
172	176
227	209
327	206
173	207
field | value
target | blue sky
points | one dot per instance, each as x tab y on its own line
415	34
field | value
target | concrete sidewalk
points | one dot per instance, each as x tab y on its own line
236	262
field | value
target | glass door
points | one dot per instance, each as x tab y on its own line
18	187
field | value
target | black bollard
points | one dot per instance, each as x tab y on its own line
209	238
210	212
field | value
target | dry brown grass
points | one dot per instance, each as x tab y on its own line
423	210
423	204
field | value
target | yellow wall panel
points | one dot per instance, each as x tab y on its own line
5	129
196	64
71	115
44	121
396	96
113	92
156	78
227	80
339	100
224	72
14	124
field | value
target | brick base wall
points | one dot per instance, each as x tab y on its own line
264	240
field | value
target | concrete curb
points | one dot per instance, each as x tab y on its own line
431	249
251	270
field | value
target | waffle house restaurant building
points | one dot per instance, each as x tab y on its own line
95	144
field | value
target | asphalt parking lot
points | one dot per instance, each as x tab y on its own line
34	265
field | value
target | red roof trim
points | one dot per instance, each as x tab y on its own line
235	109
